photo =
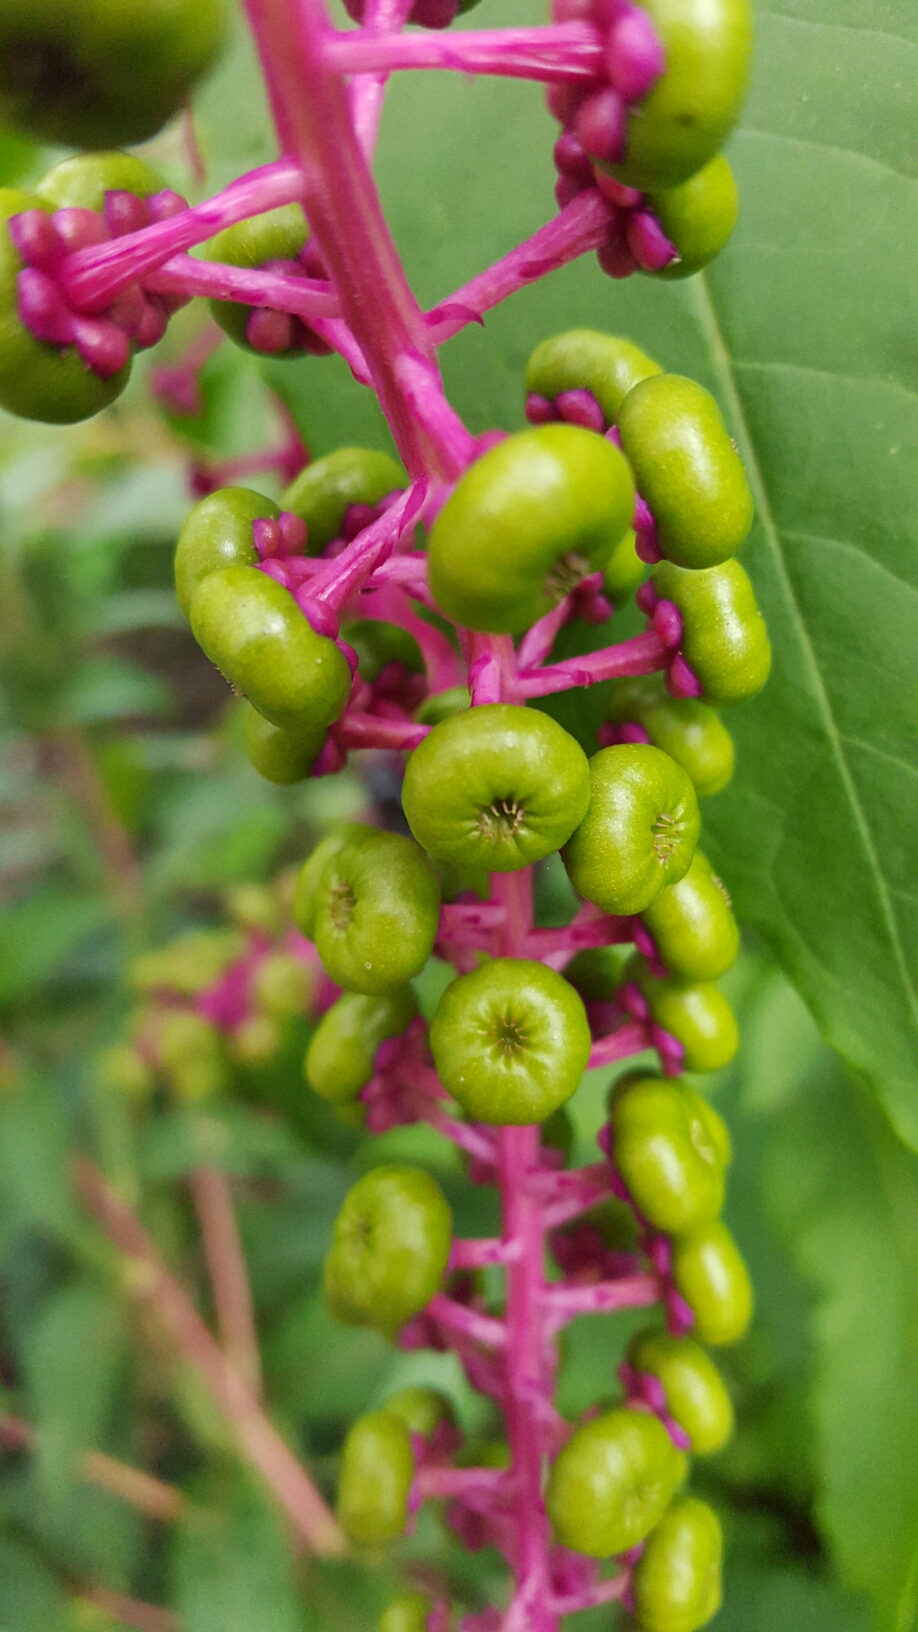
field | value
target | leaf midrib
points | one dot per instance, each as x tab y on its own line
707	316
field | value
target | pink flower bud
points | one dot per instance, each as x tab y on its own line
616	258
101	345
648	242
166	204
646	599
579	407
294	533
632	733
79	229
42	308
36	238
434	13
154	322
681	681
616	191
539	410
269	331
570	158
125	212
667	621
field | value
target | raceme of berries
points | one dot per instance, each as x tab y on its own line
411	607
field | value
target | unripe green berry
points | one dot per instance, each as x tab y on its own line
283	985
190	1051
667	1152
686	729
85	73
255	633
377	1468
305	894
693	926
696	1013
698	217
687	469
677	1580
82	182
596	972
725	641
275	235
421	1409
696	1397
340	1056
640	831
495	788
217	534
255	907
612	1482
377	909
377	644
623	571
407	1613
531	518
187	964
122	1069
510	1041
325	490
708	1271
588	360
38	380
280	756
389	1250
697	100
256	1041
443	705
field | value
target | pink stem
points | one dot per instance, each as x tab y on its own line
463	1134
310	109
581	226
366	92
605	1592
347	573
632	1038
558	52
574	1193
470	1254
184	275
355	730
643	654
90	277
456	1317
563	1303
432	1483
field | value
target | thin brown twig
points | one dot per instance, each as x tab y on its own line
152	1496
259	1441
131	1611
229	1280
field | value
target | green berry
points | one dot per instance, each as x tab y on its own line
280	756
377	911
724	639
687	469
217	534
187	964
666	1154
640	831
276	235
377	1468
693	926
377	644
696	1013
443	705
495	788
190	1052
421	1409
255	633
677	1580
697	100
38	380
585	359
82	183
596	972
624	570
713	1279
529	520
305	894
407	1613
510	1041
89	73
612	1482
689	731
283	985
698	217
323	493
340	1057
696	1397
389	1250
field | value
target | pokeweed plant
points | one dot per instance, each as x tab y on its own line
344	630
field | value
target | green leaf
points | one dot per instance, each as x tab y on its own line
40	934
846	1193
30	1599
787	1600
109	688
233	1568
73	1362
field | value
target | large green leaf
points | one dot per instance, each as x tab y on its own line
234	1568
846	1193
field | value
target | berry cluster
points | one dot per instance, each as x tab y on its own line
413	608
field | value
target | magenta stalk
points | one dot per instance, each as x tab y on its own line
566	52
